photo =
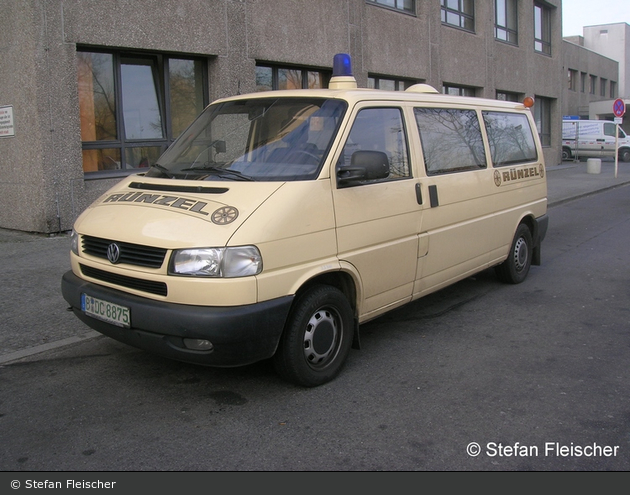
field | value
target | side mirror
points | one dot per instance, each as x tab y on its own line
364	165
219	146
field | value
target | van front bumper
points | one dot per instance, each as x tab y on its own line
239	335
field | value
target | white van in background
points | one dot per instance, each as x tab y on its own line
593	139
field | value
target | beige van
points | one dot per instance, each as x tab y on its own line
278	222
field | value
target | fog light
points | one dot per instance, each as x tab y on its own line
198	344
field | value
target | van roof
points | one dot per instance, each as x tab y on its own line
364	94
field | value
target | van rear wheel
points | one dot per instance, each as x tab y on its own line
516	267
317	337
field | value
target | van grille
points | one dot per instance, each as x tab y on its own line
132	254
158	288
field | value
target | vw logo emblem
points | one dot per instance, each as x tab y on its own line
113	253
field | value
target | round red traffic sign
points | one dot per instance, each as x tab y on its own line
619	107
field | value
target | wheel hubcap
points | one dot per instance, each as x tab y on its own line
520	254
321	337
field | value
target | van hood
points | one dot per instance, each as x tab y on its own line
173	214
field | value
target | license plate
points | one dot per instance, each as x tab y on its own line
107	311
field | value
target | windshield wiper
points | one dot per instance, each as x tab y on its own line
220	172
163	169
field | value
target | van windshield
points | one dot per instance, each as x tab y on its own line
267	139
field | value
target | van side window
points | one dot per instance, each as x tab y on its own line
451	140
379	129
511	138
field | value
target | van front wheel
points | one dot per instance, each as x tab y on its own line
566	154
317	337
516	267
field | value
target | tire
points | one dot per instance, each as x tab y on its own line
317	337
516	267
566	154
624	155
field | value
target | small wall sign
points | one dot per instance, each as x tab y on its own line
7	126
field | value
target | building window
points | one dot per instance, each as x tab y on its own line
459	13
572	77
602	86
450	89
542	29
542	117
271	77
613	89
408	6
508	96
505	24
132	106
583	82
593	84
389	84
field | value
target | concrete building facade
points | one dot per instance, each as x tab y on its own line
590	78
55	142
598	65
612	41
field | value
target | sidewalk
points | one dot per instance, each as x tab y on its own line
34	316
571	180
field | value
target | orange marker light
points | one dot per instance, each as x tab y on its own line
528	102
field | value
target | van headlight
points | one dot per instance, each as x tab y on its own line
230	262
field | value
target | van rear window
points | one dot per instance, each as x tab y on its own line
511	138
451	140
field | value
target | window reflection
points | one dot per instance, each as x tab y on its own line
403	5
510	138
140	103
379	129
542	29
142	156
186	92
270	78
101	159
458	13
132	106
289	79
97	101
451	140
315	80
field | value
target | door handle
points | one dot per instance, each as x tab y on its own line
433	196
419	193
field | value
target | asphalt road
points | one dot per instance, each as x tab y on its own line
478	377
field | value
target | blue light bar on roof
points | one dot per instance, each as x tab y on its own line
342	65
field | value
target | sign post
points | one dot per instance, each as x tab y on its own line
619	108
